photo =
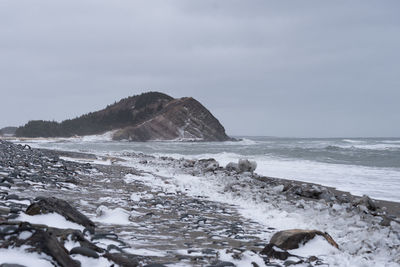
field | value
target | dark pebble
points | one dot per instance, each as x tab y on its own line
221	264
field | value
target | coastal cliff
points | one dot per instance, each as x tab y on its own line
145	117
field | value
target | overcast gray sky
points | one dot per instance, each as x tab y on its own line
280	68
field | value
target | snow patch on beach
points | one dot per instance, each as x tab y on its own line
118	216
20	256
316	246
51	220
91	262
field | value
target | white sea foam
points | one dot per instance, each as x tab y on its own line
107	136
378	146
353	141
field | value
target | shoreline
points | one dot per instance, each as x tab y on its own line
380	183
191	211
392	207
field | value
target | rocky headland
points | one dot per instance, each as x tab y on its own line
8	131
62	208
145	117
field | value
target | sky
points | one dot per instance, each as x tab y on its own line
275	68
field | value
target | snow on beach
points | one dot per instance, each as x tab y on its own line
362	243
50	219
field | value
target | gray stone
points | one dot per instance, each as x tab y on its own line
246	165
221	264
84	251
292	239
367	202
231	166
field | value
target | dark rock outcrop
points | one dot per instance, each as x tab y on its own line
183	118
45	205
292	239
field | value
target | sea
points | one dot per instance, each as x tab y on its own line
362	166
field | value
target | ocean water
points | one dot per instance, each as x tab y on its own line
359	165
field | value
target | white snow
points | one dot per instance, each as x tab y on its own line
51	220
91	262
146	252
361	243
112	216
361	240
24	235
317	246
20	256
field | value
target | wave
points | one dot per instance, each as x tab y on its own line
242	141
107	136
353	141
379	147
391	141
334	148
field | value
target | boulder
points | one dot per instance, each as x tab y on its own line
85	252
246	165
212	167
231	166
292	239
45	205
367	202
221	264
123	259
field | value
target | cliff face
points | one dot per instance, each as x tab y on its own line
149	116
184	119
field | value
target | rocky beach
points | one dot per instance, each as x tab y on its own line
62	208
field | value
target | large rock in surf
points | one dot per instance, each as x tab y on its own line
149	116
244	165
